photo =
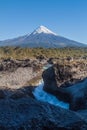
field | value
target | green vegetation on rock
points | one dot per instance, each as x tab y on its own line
24	53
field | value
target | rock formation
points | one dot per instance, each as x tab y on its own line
27	113
19	110
60	80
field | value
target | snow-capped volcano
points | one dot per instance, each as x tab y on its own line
42	37
43	29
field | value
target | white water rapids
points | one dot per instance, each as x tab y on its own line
41	95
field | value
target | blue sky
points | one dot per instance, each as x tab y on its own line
67	18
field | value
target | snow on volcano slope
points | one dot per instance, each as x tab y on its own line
43	29
42	37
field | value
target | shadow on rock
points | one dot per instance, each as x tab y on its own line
26	113
63	83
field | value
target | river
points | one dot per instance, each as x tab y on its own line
41	95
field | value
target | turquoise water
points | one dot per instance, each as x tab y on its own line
41	95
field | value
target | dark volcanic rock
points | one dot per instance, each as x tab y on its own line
8	64
60	80
17	95
75	95
40	57
50	84
29	114
78	93
83	113
12	65
28	90
22	93
2	94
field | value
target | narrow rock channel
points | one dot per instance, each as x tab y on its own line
41	95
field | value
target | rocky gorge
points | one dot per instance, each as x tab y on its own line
19	108
65	81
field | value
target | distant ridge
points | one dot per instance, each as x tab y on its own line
42	37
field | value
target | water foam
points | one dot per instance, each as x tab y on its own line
41	95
